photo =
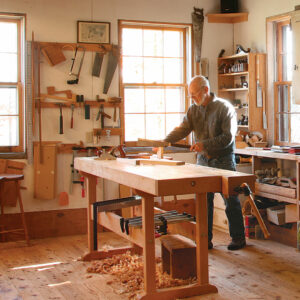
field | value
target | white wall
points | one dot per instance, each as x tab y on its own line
252	34
55	21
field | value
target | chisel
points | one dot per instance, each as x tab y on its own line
72	113
61	124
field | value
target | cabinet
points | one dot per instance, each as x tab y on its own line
288	165
242	81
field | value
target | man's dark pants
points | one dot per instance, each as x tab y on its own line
233	206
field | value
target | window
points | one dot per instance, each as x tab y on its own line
284	75
153	80
11	83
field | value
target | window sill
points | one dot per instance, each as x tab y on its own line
14	155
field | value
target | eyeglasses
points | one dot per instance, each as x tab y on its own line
193	96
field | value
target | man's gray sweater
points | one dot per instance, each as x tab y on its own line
214	125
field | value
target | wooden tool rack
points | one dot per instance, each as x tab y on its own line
36	50
149	182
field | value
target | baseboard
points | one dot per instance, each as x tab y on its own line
43	224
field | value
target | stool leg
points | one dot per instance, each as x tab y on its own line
22	213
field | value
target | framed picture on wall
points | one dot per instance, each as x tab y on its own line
93	32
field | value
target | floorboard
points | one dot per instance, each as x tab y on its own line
50	269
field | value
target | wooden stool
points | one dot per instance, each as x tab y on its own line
178	256
13	178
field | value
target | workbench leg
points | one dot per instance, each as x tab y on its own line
201	239
91	182
149	244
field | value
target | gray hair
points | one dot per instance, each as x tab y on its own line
200	81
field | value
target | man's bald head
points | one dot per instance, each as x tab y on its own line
198	82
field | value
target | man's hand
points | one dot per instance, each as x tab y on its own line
154	149
198	147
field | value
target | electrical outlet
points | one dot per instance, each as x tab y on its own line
89	137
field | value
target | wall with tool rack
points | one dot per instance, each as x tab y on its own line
55	23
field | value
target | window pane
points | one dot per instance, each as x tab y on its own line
172	44
154	100
173	70
153	71
132	70
8	101
134	100
175	100
132	40
9	131
134	127
155	126
8	67
287	53
153	43
172	121
8	37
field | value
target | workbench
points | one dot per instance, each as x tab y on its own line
150	181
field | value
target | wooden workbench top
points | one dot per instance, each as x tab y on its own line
267	153
160	180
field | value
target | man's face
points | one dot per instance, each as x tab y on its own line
197	94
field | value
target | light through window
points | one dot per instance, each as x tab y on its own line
153	80
11	96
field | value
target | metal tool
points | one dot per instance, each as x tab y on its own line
109	205
97	64
113	60
61	121
72	113
259	102
75	81
198	20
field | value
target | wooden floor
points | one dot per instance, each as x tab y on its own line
49	270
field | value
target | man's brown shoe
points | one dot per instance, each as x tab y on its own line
237	244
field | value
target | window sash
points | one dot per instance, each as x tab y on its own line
18	84
148	85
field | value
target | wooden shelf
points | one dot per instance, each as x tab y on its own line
233	90
227	18
234	56
233	74
276	191
103	48
76	104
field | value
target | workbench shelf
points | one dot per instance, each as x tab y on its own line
238	76
288	165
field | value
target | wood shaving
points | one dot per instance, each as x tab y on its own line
128	274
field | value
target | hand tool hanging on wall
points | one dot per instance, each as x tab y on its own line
72	113
258	86
113	59
197	20
51	91
97	64
61	121
75	81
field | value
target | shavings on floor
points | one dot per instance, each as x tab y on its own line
128	273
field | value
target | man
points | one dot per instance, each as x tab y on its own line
214	123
